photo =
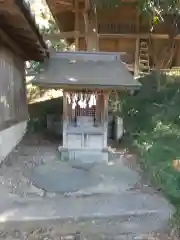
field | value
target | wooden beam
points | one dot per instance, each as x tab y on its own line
96	28
86	19
136	65
81	10
63	35
87	5
111	35
135	35
74	34
90	20
30	21
76	27
20	35
162	36
136	57
64	3
13	45
33	50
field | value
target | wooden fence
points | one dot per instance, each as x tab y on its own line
13	104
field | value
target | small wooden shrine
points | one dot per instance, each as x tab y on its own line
87	80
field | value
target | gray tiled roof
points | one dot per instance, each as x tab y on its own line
61	72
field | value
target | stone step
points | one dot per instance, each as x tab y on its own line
90	155
54	233
97	228
128	212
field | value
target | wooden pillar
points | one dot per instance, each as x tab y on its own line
99	107
106	98
64	119
90	21
136	60
136	66
76	25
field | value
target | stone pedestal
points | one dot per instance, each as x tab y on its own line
86	155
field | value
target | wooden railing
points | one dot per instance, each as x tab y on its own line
116	28
130	28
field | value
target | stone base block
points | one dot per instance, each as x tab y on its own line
84	154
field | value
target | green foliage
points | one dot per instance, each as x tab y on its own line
52	28
34	92
35	125
32	67
152	119
38	113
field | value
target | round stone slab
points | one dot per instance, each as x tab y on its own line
61	178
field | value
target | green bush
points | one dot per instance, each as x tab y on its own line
152	118
38	113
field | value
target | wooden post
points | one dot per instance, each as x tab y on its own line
86	21
136	66
106	97
76	25
90	21
96	27
64	119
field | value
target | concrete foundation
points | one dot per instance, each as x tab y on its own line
10	137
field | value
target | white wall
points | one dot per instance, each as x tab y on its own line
10	137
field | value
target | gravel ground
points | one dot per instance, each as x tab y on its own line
52	233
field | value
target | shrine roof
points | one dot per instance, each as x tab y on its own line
20	32
79	73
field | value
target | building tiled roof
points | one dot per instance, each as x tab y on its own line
69	72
